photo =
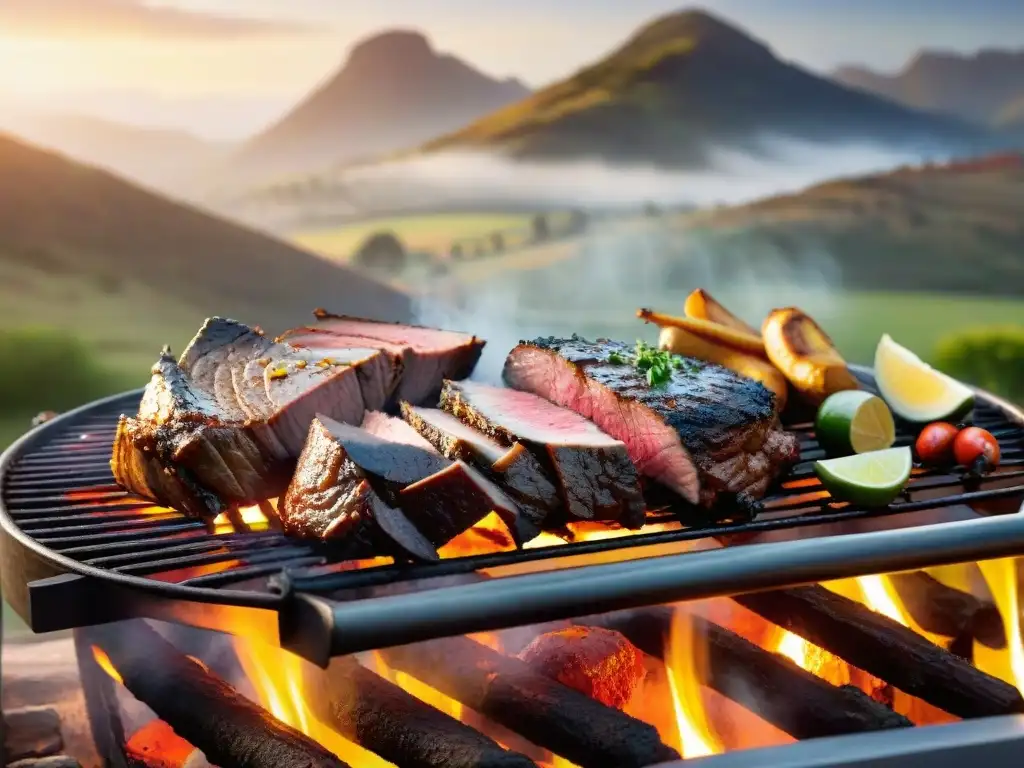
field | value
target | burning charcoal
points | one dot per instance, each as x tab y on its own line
156	745
792	699
364	707
428	356
543	711
705	432
887	650
949	612
597	480
515	469
201	707
598	662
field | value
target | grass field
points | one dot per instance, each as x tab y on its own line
432	233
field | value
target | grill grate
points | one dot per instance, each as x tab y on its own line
60	501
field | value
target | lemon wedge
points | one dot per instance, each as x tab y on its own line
914	390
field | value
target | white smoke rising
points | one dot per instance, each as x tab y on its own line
614	269
732	176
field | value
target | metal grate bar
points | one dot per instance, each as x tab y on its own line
238	543
235	575
255	557
59	544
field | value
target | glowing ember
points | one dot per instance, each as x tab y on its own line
277	677
156	745
106	664
685	662
252	517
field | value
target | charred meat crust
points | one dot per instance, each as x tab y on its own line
720	425
515	469
596	482
718	401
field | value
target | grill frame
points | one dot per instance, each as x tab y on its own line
53	591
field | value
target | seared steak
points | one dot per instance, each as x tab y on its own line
515	469
596	479
707	434
441	498
429	356
598	662
224	425
330	499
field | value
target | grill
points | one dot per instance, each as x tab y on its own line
77	552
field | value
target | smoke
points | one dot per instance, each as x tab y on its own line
731	176
612	271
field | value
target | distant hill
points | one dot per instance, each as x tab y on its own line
979	87
85	250
952	228
687	82
394	91
164	159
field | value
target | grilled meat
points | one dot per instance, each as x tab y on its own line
329	498
707	434
224	425
515	469
440	498
598	662
428	356
596	479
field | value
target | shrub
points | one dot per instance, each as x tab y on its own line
990	358
47	369
383	251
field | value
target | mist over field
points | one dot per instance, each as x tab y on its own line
733	176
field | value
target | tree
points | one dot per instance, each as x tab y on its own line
381	251
990	358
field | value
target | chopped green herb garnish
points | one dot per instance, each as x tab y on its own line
656	364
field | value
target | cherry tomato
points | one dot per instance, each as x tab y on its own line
975	446
935	443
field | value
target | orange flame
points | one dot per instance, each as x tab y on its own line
1008	665
106	664
252	517
420	690
277	677
685	665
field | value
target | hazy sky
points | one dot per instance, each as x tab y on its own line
223	67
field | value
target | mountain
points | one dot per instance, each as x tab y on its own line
159	158
978	87
84	250
688	82
950	228
394	91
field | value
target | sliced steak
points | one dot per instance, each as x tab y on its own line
330	499
596	479
224	425
598	662
515	469
442	498
707	434
429	356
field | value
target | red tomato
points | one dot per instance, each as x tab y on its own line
935	443
974	443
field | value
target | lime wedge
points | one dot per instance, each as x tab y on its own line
868	479
914	390
854	421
